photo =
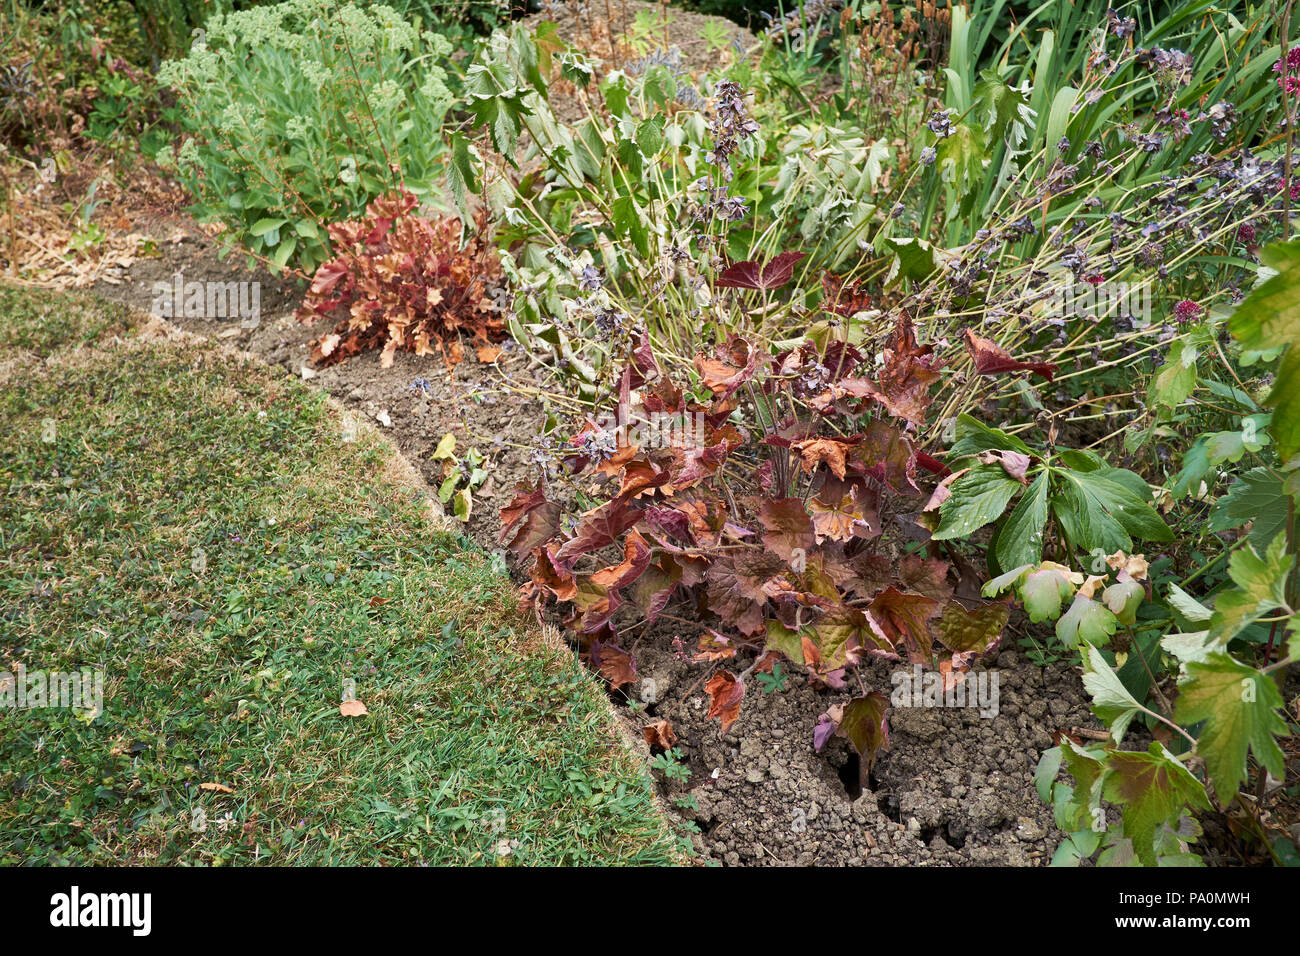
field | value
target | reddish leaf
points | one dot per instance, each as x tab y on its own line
943	490
992	359
749	275
933	465
725	692
641	478
901	620
907	374
653	590
636	558
548	578
862	723
865	574
670	522
529	520
730	367
884	454
736	588
844	298
597	529
693	464
1014	463
842	511
613	663
597	612
788	528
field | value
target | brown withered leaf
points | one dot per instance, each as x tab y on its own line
901	619
730	367
659	735
488	354
529	520
216	788
714	646
726	691
928	576
787	528
613	663
636	558
953	670
353	708
844	510
904	380
833	452
992	359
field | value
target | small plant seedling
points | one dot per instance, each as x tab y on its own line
670	764
775	681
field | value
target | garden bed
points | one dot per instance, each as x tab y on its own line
954	789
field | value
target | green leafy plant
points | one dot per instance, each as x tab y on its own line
1091	507
462	476
302	113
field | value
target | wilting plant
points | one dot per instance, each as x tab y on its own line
404	282
757	492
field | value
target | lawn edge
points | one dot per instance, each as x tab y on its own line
398	472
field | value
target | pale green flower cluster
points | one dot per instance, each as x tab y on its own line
279	99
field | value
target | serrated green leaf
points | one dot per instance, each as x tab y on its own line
977	498
1151	789
973	436
1111	701
1191	609
1267	318
1260	585
1239	706
1020	537
1256	496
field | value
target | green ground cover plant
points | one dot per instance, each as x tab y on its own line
193	527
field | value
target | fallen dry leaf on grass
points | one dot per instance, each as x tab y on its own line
489	353
216	787
353	708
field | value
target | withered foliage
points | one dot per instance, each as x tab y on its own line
403	281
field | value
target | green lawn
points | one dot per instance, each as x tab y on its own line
195	527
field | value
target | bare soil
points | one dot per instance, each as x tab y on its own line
469	399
